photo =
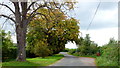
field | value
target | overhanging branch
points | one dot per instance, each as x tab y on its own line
30	17
8	8
41	6
30	6
8	17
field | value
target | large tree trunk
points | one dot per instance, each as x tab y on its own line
21	43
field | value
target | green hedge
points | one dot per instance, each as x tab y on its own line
10	53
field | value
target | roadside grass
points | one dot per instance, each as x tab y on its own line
99	60
38	61
102	61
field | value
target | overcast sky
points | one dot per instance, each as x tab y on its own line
103	27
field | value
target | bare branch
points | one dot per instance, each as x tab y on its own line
42	15
4	22
30	6
8	17
8	8
30	17
12	25
33	14
51	10
17	12
41	6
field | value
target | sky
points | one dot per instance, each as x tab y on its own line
103	27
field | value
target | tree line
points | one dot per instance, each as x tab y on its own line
85	47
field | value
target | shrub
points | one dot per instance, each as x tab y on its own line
66	50
109	55
29	54
71	51
41	49
10	53
9	50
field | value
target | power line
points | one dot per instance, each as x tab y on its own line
93	16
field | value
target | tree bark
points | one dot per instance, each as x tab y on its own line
21	43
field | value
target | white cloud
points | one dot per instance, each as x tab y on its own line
102	36
97	0
70	45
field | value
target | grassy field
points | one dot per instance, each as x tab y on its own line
38	61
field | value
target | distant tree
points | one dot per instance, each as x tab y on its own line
79	42
6	44
86	46
6	40
87	40
112	41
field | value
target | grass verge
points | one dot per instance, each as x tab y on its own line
100	61
38	61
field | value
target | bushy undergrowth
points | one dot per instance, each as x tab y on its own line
72	51
109	55
11	53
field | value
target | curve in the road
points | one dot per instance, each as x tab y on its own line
70	60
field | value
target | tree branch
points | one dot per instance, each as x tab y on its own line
30	17
41	6
8	17
17	12
8	8
30	6
4	23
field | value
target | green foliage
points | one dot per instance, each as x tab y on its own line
8	50
109	55
86	46
29	54
41	49
71	51
65	50
54	33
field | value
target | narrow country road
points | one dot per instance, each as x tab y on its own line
70	60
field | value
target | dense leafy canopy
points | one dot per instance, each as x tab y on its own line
53	32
